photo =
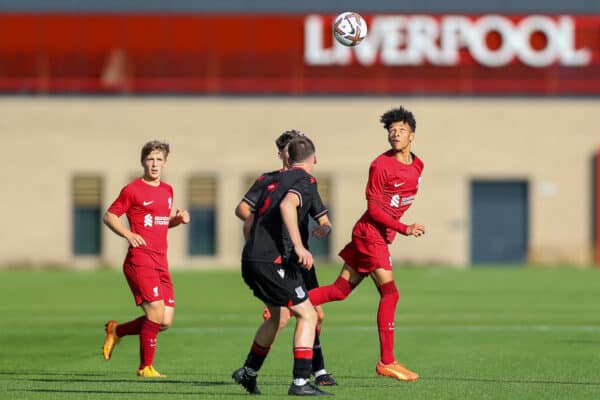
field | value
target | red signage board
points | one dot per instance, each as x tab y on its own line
295	54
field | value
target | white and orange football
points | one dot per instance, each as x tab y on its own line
349	28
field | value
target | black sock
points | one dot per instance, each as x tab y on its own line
318	362
256	357
302	362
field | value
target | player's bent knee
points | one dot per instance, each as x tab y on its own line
310	317
155	311
306	312
273	323
284	318
394	297
320	315
389	292
165	325
343	288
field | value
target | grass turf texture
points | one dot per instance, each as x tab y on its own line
488	333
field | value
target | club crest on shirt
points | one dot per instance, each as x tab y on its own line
281	272
148	220
300	292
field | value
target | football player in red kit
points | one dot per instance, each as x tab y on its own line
394	179
147	202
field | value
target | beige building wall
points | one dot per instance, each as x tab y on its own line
550	143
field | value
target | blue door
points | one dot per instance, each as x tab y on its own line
499	222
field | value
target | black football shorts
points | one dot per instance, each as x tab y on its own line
310	277
277	285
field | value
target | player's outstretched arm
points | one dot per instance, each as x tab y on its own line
115	225
289	215
415	230
180	217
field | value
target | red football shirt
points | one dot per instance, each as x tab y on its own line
148	210
391	190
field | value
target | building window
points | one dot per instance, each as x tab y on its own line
202	208
87	194
321	248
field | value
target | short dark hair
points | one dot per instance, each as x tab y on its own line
399	114
300	148
285	138
155	145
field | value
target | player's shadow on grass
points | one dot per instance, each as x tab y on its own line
50	373
163	383
128	392
519	381
133	380
372	381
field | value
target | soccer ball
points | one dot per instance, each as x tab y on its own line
349	28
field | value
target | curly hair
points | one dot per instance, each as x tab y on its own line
285	138
399	114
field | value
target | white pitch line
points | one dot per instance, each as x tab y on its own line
422	328
248	330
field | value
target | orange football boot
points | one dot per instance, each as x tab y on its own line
149	372
397	371
111	339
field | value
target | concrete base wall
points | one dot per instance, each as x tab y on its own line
49	140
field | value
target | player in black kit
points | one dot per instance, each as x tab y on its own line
271	262
318	212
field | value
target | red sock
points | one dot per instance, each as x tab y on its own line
385	320
132	327
339	290
148	335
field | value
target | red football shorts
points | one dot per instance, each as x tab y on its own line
365	256
149	284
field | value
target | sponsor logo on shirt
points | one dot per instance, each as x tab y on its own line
281	272
407	200
147	203
161	220
395	201
156	220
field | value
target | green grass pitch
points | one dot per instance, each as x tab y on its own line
482	333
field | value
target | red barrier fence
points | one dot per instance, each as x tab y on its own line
294	54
